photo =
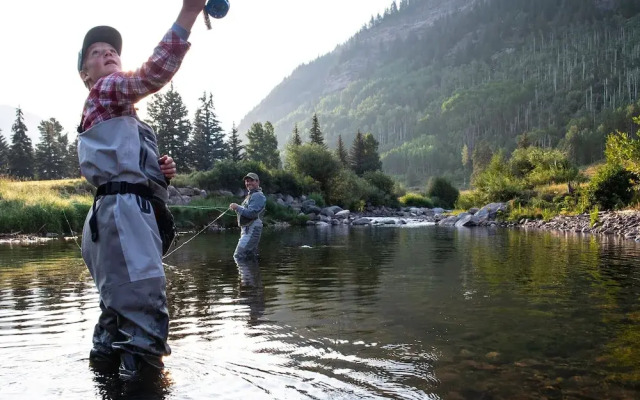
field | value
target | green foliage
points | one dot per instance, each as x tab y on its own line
444	191
263	145
169	119
318	198
611	187
42	217
347	190
622	150
275	212
593	216
382	189
207	142
21	153
51	153
227	175
315	161
315	134
415	200
286	182
507	73
234	147
4	155
496	183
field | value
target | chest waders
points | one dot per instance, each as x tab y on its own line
121	241
250	232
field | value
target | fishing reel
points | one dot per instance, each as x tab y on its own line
215	8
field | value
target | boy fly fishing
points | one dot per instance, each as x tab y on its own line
129	226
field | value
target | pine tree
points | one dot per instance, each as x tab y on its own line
72	166
4	155
207	144
263	145
169	119
295	137
315	134
341	153
371	160
234	147
21	154
356	154
50	151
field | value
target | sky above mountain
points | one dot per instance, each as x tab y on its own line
240	60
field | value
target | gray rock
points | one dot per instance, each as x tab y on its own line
343	214
361	221
327	212
449	221
466	221
335	209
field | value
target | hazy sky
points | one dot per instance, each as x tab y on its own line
240	60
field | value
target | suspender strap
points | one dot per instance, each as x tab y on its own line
114	187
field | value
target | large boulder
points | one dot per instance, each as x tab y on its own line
490	212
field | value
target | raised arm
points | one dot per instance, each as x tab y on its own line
189	13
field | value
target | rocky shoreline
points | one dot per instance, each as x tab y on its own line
623	224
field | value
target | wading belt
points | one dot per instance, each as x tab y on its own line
114	187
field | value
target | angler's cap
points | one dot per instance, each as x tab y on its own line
251	175
97	34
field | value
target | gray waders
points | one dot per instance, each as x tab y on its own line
121	244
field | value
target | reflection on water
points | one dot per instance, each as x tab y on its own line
340	312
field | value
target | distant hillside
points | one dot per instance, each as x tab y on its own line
430	78
8	117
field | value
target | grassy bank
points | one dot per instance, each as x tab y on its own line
40	207
60	206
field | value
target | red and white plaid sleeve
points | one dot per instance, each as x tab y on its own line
115	95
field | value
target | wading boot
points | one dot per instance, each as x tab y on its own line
103	358
134	368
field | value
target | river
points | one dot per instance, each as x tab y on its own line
419	312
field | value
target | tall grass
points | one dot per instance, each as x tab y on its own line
57	206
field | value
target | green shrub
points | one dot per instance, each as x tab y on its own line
286	182
469	200
610	188
415	200
441	189
318	198
347	190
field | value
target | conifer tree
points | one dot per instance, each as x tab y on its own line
21	153
49	159
356	154
295	137
234	146
169	119
263	145
371	160
4	155
72	166
207	144
341	153
315	134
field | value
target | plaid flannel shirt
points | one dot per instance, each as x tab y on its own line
115	95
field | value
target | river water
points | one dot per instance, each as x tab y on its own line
347	313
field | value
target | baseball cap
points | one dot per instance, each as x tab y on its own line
251	175
97	34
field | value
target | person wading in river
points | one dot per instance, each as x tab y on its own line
249	214
129	226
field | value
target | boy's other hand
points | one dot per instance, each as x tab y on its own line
167	166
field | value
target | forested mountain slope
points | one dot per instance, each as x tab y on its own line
435	79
